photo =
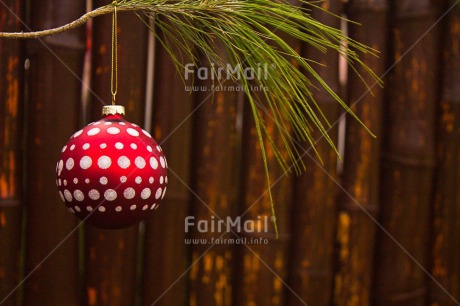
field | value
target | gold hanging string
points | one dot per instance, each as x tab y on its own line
114	63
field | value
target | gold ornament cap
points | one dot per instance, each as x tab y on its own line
113	110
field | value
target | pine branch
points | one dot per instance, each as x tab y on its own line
74	24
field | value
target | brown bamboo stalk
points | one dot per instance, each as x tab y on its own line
165	250
261	262
11	112
408	157
446	255
214	155
261	268
53	110
361	175
314	208
111	256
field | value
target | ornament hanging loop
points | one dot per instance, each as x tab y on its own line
114	62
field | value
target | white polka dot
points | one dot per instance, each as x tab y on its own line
89	208
118	208
138	180
146	134
149	148
86	146
123	162
64	148
104	162
65	182
140	162
69	164
101	208
157	206
113	130
71	210
59	182
103	180
159	149
132	132
145	194
122	123
153	205
68	195
60	166
87	181
78	195
133	207
75	181
151	180
161	180
164	192
129	193
119	145
62	196
97	122
108	123
135	125
110	194
158	193
72	147
162	161
123	179
77	208
166	180
93	194
85	162
93	131
145	207
153	163
103	145
133	146
77	133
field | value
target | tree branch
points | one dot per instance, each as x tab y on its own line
74	24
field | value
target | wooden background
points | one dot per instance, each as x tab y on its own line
380	228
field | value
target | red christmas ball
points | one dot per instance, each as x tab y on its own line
112	173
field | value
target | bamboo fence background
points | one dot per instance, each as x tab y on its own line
381	227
